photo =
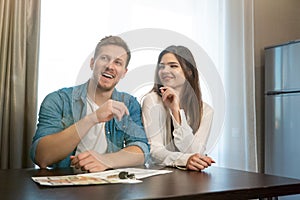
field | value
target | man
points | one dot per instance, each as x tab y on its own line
93	126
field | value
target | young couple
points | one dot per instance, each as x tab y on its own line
94	127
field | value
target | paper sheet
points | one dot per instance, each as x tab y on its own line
105	177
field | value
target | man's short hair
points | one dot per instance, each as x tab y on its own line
113	40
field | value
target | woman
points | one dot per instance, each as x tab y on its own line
176	120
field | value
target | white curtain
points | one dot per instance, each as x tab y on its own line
237	147
222	28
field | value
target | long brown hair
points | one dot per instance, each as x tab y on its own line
191	98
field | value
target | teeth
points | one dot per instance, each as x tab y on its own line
107	75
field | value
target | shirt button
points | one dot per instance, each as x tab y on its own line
108	132
124	126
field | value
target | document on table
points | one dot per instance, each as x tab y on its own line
105	177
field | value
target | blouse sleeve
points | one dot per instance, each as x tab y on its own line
184	138
154	119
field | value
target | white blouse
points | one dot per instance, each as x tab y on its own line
165	150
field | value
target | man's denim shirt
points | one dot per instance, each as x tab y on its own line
66	106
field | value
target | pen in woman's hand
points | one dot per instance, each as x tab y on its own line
211	160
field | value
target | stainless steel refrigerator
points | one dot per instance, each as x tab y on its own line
282	111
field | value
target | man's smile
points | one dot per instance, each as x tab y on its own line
107	75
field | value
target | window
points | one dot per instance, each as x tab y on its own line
70	30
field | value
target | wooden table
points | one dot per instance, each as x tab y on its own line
213	183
